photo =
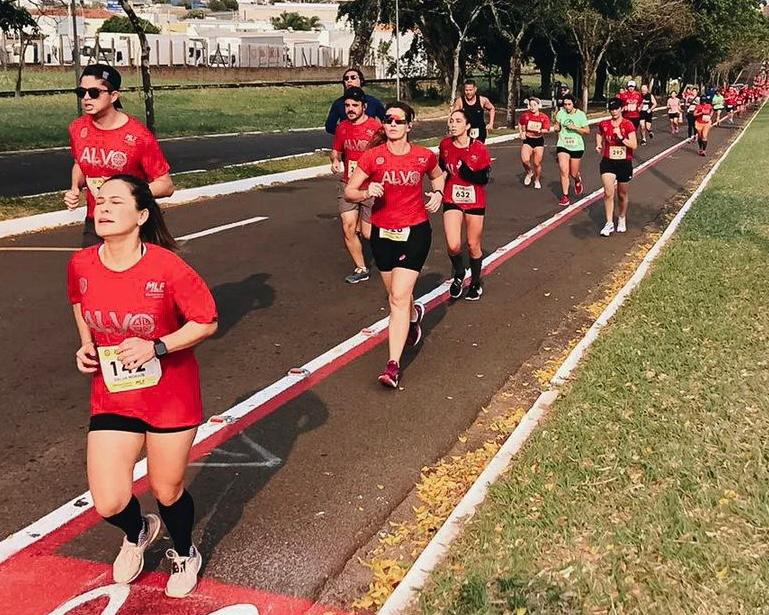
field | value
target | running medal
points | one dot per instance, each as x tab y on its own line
119	378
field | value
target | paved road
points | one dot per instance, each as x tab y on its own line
282	532
45	171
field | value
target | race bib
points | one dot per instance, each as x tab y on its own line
118	378
632	106
645	107
570	141
475	133
705	118
464	195
533	126
395	234
690	109
617	152
94	184
351	166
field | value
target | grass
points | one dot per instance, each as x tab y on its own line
41	121
646	489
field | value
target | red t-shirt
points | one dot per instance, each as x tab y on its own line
610	139
153	298
631	102
352	140
534	123
703	113
403	203
131	149
465	195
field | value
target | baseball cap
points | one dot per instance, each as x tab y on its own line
631	84
355	93
107	73
614	104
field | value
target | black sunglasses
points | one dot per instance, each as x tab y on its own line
92	92
350	77
391	119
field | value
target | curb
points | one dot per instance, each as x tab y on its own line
416	577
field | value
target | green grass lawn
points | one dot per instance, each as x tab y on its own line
646	490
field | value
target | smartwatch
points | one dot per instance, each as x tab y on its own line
160	348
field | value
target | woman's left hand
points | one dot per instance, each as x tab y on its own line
135	352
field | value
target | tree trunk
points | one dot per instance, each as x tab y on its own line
513	79
601	76
586	76
364	29
149	97
455	73
504	81
23	44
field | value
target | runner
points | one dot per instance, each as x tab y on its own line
730	103
690	103
533	125
400	231
718	105
351	139
352	78
104	141
703	121
140	310
674	112
571	124
467	164
561	93
648	104
475	107
616	141
632	100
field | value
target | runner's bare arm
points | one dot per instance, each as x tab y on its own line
492	112
598	142
631	141
654	103
352	191
336	161
457	103
85	357
135	352
72	196
162	186
437	183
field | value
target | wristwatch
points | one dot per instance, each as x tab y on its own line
160	348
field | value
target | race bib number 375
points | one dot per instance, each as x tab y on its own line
119	378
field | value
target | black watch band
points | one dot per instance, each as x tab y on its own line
161	349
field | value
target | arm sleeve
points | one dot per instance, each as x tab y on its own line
73	283
154	161
333	117
480	177
192	297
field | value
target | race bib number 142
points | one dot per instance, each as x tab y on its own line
118	378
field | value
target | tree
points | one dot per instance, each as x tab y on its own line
123	25
147	92
363	16
20	21
295	21
219	6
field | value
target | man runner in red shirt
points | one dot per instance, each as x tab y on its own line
632	100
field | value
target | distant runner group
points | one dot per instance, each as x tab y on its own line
140	309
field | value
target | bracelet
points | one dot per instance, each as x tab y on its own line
439	192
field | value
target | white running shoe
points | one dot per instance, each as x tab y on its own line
527	179
184	573
129	563
621	225
537	185
608	229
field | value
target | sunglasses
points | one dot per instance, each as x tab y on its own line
92	92
350	77
391	119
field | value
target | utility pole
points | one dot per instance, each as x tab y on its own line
75	52
397	51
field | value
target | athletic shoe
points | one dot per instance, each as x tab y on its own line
474	292
643	141
527	179
537	185
420	310
361	274
391	375
129	563
563	201
608	229
579	188
621	224
184	573
651	135
455	290
415	334
702	152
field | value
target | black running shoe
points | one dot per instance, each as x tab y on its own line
474	292
455	291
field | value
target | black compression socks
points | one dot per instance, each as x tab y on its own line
129	520
704	145
179	518
475	269
458	265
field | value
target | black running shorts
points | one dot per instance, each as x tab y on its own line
621	169
534	142
473	211
117	422
575	154
407	248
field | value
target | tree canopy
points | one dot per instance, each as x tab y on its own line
295	21
122	25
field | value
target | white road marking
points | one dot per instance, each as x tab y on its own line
219	229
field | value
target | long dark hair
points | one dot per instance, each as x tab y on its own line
154	230
380	137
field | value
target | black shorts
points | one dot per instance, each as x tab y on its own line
636	121
90	238
673	116
117	422
534	142
621	169
646	116
574	154
474	211
409	254
728	108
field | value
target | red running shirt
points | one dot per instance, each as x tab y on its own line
631	102
611	140
352	140
534	123
403	203
153	298
131	149
703	113
465	195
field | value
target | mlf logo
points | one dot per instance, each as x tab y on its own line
154	290
83	283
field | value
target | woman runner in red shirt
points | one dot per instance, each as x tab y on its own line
533	125
703	122
616	141
400	226
467	164
140	310
105	141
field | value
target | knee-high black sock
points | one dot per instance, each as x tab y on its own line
699	142
129	520
458	265
179	518
704	145
475	269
